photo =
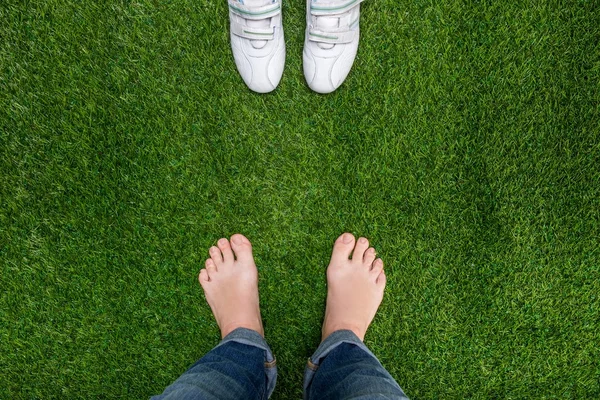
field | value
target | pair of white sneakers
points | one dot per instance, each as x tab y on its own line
330	43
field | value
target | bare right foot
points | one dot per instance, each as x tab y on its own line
354	286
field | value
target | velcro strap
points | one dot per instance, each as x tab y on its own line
334	7
252	33
262	12
331	37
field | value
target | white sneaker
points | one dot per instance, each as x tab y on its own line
330	42
257	42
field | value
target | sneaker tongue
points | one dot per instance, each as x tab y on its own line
327	23
261	23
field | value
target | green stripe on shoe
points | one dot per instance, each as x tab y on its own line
258	33
332	8
253	13
323	36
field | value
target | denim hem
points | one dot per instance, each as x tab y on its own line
327	346
253	338
384	385
334	340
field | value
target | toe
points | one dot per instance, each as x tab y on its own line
203	278
242	248
377	267
211	267
381	280
216	255
342	248
369	257
225	248
362	244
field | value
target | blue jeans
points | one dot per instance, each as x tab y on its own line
242	366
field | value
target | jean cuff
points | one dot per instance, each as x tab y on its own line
253	338
327	346
331	342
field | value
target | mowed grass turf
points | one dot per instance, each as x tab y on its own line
464	144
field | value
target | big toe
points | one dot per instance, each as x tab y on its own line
242	248
342	248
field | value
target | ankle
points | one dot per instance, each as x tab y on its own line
357	330
255	326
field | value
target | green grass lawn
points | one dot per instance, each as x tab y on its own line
465	144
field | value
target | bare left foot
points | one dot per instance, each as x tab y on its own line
230	284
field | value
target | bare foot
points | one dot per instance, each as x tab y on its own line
354	286
231	285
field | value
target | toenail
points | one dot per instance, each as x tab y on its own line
362	240
223	242
236	240
347	238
